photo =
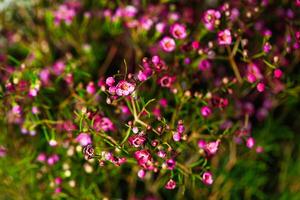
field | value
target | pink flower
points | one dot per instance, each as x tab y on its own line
204	65
168	44
206	111
170	164
84	139
163	103
59	67
166	81
211	19
103	124
124	88
212	147
176	136
171	185
260	87
161	154
141	173
250	142
224	37
144	158
207	178
137	140
201	144
90	88
267	47
110	81
64	13
253	73
178	31
277	73
41	157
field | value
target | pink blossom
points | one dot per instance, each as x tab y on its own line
170	185
212	147
41	157
170	164
90	88
124	88
277	73
2	151
204	65
176	136
224	37
166	81
201	144
64	13
137	140
211	18
207	178
141	173
144	158
59	67
161	154
168	44
110	81
253	73
250	142
84	139
103	124
163	102
206	111
178	31
260	87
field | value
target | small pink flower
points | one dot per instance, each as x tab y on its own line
84	139
35	110
170	164
207	178
161	154
64	13
144	158
176	136
178	31
166	81
137	140
2	151
212	147
171	185
58	180
267	47
110	81
253	73
90	88
160	27
163	103
33	92
59	67
250	142
204	65
259	149
224	37
124	88
168	44
201	144
210	18
206	111
57	190
141	173
41	157
103	124
260	87
277	73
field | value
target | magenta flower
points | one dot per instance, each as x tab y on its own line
260	87
212	147
167	81
103	124
211	19
206	111
110	81
170	164
224	37
59	67
207	178
201	144
178	31
141	173
176	136
90	88
2	151
171	185
168	44
41	157
137	140
277	73
65	14
253	73
250	142
124	88
84	139
144	159
204	65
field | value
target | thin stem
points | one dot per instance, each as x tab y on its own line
234	65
